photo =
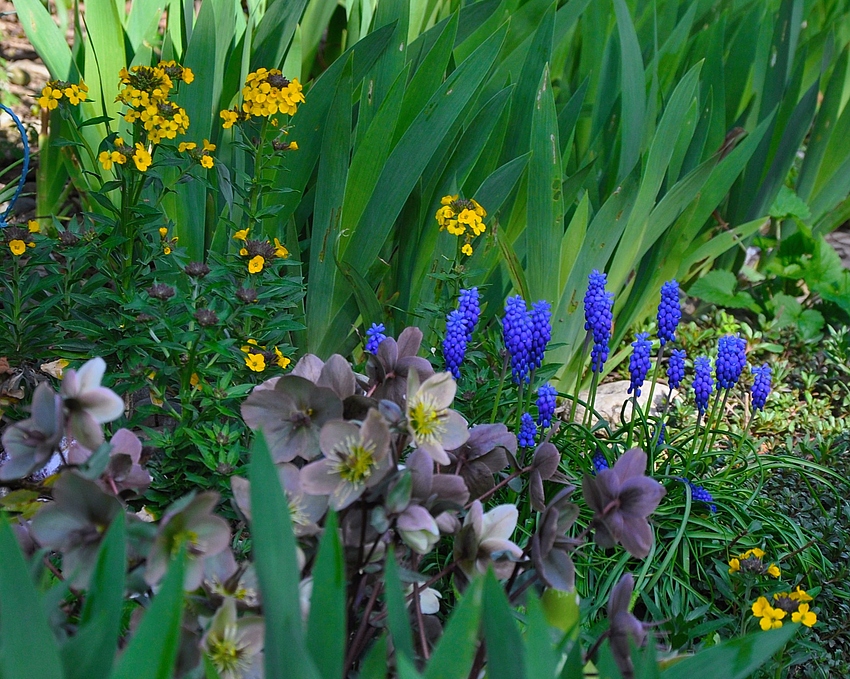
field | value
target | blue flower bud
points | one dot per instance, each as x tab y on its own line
669	312
469	305
517	330
598	316
454	344
527	431
545	405
731	360
761	385
541	331
374	336
703	384
639	362
676	368
599	462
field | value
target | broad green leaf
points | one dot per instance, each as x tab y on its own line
105	55
326	624
454	653
572	241
505	650
398	619
275	31
734	659
45	37
152	651
23	625
91	652
277	570
374	665
540	657
545	228
633	91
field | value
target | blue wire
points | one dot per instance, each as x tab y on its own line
26	166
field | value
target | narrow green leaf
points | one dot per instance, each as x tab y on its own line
515	270
734	659
91	652
105	55
454	653
45	37
633	83
326	624
540	658
398	619
152	651
505	650
277	570
572	241
275	31
23	625
545	228
374	665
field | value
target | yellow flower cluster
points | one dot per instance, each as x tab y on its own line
168	244
257	358
461	217
751	562
55	90
121	152
202	156
18	239
259	252
795	603
145	91
266	93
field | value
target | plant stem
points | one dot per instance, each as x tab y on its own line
579	375
499	390
654	378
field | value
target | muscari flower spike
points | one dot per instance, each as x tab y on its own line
454	344
639	362
469	305
527	431
545	405
374	336
676	368
599	462
703	384
517	329
669	313
701	495
598	305
541	331
761	385
731	360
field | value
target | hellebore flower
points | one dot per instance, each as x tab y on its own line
550	547
123	471
761	386
544	464
88	404
304	510
233	645
433	426
291	415
622	498
193	525
669	312
418	529
390	368
676	368
75	523
484	540
356	458
30	443
484	454
624	626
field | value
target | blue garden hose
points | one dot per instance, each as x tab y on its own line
26	167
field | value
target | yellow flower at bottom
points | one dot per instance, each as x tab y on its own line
242	234
18	247
280	249
771	618
163	232
33	226
804	615
207	162
466	249
166	250
255	362
282	361
800	594
773	570
255	265
734	565
141	158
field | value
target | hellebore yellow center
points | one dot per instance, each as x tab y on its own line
357	460
426	420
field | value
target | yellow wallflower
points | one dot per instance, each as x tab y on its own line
466	249
293	146
33	226
186	146
243	251
141	157
207	161
242	234
770	617
195	381
280	249
109	158
773	570
251	343
163	232
734	565
268	92
255	362
166	250
804	615
255	265
18	247
208	146
282	361
229	117
800	595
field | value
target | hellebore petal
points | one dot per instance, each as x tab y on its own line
421	468
623	625
90	375
630	464
317	478
418	529
500	522
409	341
546	460
309	367
640	496
30	443
338	376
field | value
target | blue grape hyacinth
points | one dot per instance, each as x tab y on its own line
669	312
639	362
546	405
598	305
599	462
454	344
700	494
469	304
703	384
731	360
517	330
527	431
761	385
374	336
676	368
541	333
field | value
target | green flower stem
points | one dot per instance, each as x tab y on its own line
708	423
632	420
591	401
719	418
584	351
499	390
744	435
17	305
257	179
658	359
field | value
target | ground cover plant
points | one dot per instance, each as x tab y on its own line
396	256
